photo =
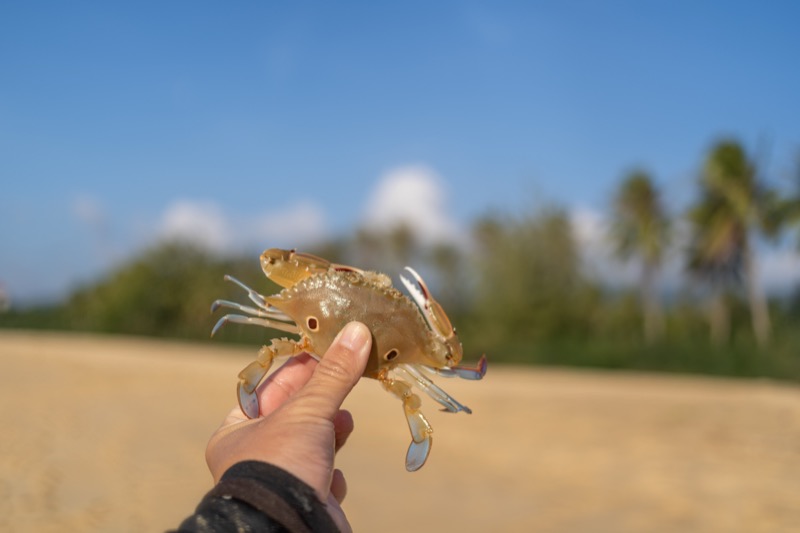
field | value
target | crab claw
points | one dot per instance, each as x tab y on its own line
288	267
419	291
434	314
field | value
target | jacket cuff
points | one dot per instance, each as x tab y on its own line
277	494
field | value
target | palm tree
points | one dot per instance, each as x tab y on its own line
368	249
790	207
403	243
738	205
448	262
714	257
641	228
792	214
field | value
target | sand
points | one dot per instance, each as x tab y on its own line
108	434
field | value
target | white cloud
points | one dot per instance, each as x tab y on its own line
597	252
200	222
296	225
779	270
412	196
601	262
88	210
93	216
206	224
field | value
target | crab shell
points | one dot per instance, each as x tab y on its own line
323	304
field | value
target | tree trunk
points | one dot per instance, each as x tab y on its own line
719	318
759	312
653	318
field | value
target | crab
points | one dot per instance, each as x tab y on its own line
412	340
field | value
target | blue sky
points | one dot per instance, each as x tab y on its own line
254	124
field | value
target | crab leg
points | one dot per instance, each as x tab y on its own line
431	389
266	313
255	297
272	312
251	376
421	430
265	322
462	372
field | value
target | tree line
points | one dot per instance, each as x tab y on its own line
734	208
520	292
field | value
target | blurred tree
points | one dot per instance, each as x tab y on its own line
403	244
792	210
385	250
334	250
529	284
165	291
790	207
734	204
640	229
714	257
448	262
368	249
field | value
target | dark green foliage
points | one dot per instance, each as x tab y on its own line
167	291
163	292
44	317
529	283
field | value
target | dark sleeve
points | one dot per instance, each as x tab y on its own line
256	496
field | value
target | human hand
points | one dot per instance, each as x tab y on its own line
301	426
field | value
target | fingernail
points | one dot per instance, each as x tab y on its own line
354	335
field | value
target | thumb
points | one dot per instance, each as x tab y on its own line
339	370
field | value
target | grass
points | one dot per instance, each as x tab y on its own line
741	357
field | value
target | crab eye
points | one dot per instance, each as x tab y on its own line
391	354
312	323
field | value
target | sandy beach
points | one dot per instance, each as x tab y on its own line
108	434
